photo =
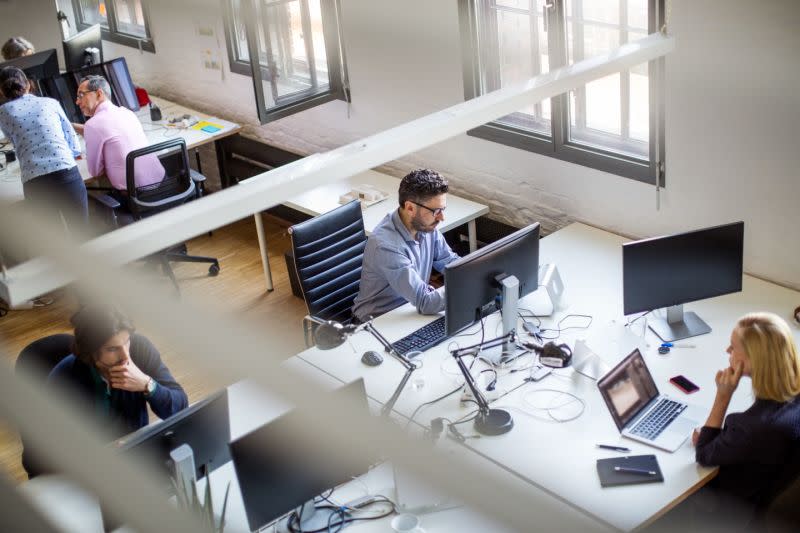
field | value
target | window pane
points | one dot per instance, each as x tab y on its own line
130	17
294	35
611	113
240	33
637	15
94	12
522	53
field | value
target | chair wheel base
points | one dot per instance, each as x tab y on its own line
213	270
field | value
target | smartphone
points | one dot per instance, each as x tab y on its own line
684	384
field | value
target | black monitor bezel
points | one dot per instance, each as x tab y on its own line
628	285
459	302
75	46
252	484
203	465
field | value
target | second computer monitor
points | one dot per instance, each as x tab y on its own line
471	283
204	426
677	269
84	48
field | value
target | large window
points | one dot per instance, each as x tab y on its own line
291	48
613	124
123	21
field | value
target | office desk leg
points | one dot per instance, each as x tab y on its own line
262	246
473	239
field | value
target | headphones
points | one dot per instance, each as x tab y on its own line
552	354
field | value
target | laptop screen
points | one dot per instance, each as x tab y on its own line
628	388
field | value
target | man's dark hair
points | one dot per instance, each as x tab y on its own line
421	185
13	82
94	324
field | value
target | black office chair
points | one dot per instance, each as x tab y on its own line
180	184
328	253
36	361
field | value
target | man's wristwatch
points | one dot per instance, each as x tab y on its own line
150	388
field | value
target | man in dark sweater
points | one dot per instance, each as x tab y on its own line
115	374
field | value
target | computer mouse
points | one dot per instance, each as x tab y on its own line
372	358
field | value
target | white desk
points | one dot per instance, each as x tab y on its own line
560	458
326	198
249	409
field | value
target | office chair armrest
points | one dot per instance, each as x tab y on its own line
196	176
105	199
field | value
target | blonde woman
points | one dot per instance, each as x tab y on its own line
753	448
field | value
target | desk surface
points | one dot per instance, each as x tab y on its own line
560	457
250	408
326	198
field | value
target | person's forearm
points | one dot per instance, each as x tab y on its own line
718	410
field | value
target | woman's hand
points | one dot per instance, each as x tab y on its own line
728	379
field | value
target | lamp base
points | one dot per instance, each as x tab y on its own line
495	422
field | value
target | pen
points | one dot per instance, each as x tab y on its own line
639	471
615	448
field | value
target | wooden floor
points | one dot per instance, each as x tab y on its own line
239	288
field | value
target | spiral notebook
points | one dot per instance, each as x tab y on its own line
645	466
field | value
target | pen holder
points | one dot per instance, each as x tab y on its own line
155	112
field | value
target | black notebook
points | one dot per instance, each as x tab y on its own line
645	466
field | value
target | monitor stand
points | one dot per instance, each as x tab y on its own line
509	350
678	325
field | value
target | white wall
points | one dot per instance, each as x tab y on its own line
733	103
33	19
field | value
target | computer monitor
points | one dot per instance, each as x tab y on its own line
276	476
118	75
474	282
204	426
36	66
677	269
84	48
64	89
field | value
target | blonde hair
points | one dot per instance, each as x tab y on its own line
769	344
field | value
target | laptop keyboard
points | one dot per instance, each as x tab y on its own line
420	340
657	419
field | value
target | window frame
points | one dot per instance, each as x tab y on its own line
557	144
288	105
112	33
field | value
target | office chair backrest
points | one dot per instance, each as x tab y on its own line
328	253
40	357
177	186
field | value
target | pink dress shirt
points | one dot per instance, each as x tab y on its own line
111	133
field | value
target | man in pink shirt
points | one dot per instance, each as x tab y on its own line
111	133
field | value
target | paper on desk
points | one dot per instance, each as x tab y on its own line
206	126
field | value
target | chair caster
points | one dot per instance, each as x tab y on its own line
213	270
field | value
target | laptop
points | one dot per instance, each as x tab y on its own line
640	412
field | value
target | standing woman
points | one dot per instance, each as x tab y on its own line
46	146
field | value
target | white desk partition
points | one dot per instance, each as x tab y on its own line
560	457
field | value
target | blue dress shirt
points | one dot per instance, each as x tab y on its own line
43	138
397	268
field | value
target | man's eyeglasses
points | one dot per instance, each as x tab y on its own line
436	212
81	94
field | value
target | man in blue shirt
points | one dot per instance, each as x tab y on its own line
404	248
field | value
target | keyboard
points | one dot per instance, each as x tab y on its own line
420	340
658	418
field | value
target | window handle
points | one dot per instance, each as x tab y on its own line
545	8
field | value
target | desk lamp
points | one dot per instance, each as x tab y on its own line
489	421
330	334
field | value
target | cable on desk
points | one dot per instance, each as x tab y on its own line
426	404
571	398
630	322
344	515
559	330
